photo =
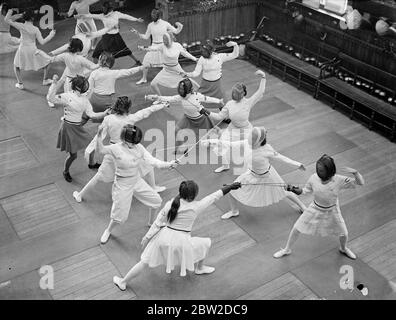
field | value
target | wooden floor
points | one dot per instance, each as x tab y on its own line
40	224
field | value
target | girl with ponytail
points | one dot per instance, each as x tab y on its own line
169	241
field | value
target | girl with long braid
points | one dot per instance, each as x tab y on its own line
169	241
112	127
128	155
323	216
72	136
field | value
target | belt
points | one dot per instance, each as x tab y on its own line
112	142
261	174
194	118
322	207
211	80
178	229
171	65
158	42
71	122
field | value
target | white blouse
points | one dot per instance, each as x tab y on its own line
191	104
211	68
326	195
257	160
170	56
113	124
112	19
239	112
82	7
129	160
158	29
86	45
75	63
74	106
102	81
186	215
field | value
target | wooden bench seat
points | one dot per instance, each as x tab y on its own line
284	63
360	103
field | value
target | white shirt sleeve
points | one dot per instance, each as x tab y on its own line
160	221
345	182
153	161
145	113
203	204
198	69
147	35
272	154
308	188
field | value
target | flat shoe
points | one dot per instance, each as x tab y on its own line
77	197
348	253
117	281
94	166
67	176
221	169
105	237
281	253
229	215
205	270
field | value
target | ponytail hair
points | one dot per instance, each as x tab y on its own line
188	190
172	213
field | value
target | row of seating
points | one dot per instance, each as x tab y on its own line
322	80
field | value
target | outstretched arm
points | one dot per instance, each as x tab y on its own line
123	73
156	162
128	17
9	18
188	55
203	204
174	30
223	114
233	55
40	39
89	16
97	34
198	69
71	10
145	113
154	97
60	50
159	222
272	154
260	92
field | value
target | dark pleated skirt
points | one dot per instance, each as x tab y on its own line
212	89
72	138
112	43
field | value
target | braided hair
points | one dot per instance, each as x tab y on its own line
106	59
207	50
188	190
80	84
75	45
185	87
328	164
122	105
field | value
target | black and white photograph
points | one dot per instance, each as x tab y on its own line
213	153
